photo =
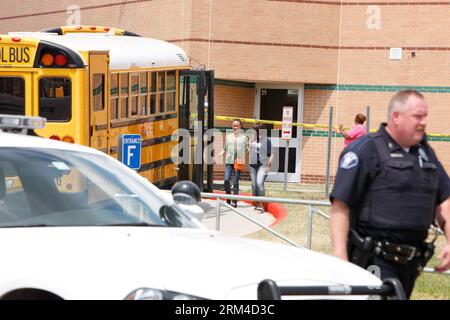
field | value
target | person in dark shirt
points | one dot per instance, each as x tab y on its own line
389	188
260	161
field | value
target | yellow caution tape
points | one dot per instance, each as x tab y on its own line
303	125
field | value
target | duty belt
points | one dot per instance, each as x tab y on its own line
398	253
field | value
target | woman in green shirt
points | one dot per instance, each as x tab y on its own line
236	144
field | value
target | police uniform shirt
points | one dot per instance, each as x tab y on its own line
359	164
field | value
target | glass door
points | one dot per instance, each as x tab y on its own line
271	103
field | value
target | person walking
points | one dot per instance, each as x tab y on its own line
260	162
389	188
236	145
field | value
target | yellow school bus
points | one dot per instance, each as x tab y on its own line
94	84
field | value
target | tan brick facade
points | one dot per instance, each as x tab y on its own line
290	42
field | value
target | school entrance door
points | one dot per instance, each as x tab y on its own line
269	106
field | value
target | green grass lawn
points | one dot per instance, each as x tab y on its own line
294	226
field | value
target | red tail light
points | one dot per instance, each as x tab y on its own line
47	59
68	139
55	137
60	60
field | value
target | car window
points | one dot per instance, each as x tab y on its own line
64	188
14	196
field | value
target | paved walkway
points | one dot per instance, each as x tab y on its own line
231	222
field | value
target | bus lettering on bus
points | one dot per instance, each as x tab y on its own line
10	55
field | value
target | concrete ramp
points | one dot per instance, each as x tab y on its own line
231	222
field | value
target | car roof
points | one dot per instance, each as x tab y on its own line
24	141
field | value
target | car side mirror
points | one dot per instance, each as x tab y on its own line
187	194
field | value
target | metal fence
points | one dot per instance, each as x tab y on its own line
312	210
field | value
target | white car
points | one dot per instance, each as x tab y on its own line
78	224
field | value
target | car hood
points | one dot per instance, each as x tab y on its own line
110	262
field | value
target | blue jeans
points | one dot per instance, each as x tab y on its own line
229	169
258	175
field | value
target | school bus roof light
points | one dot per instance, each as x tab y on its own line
47	59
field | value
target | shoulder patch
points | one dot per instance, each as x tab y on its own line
349	160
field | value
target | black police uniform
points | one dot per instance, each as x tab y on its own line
392	194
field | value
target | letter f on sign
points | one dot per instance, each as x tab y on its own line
130	154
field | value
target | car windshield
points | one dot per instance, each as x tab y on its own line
49	187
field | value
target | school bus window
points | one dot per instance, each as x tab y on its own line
143	93
114	96
171	90
124	98
153	93
161	89
98	89
12	95
55	99
134	94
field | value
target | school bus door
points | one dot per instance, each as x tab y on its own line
98	101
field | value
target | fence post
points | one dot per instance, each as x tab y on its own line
310	217
286	164
217	214
367	119
327	177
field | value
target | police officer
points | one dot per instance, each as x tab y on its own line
389	188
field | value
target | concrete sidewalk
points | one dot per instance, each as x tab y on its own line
231	222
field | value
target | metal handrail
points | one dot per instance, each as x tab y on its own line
311	211
431	270
265	199
279	235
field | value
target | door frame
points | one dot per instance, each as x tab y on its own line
292	177
205	95
99	63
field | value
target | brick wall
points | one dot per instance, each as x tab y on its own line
162	19
288	42
345	105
